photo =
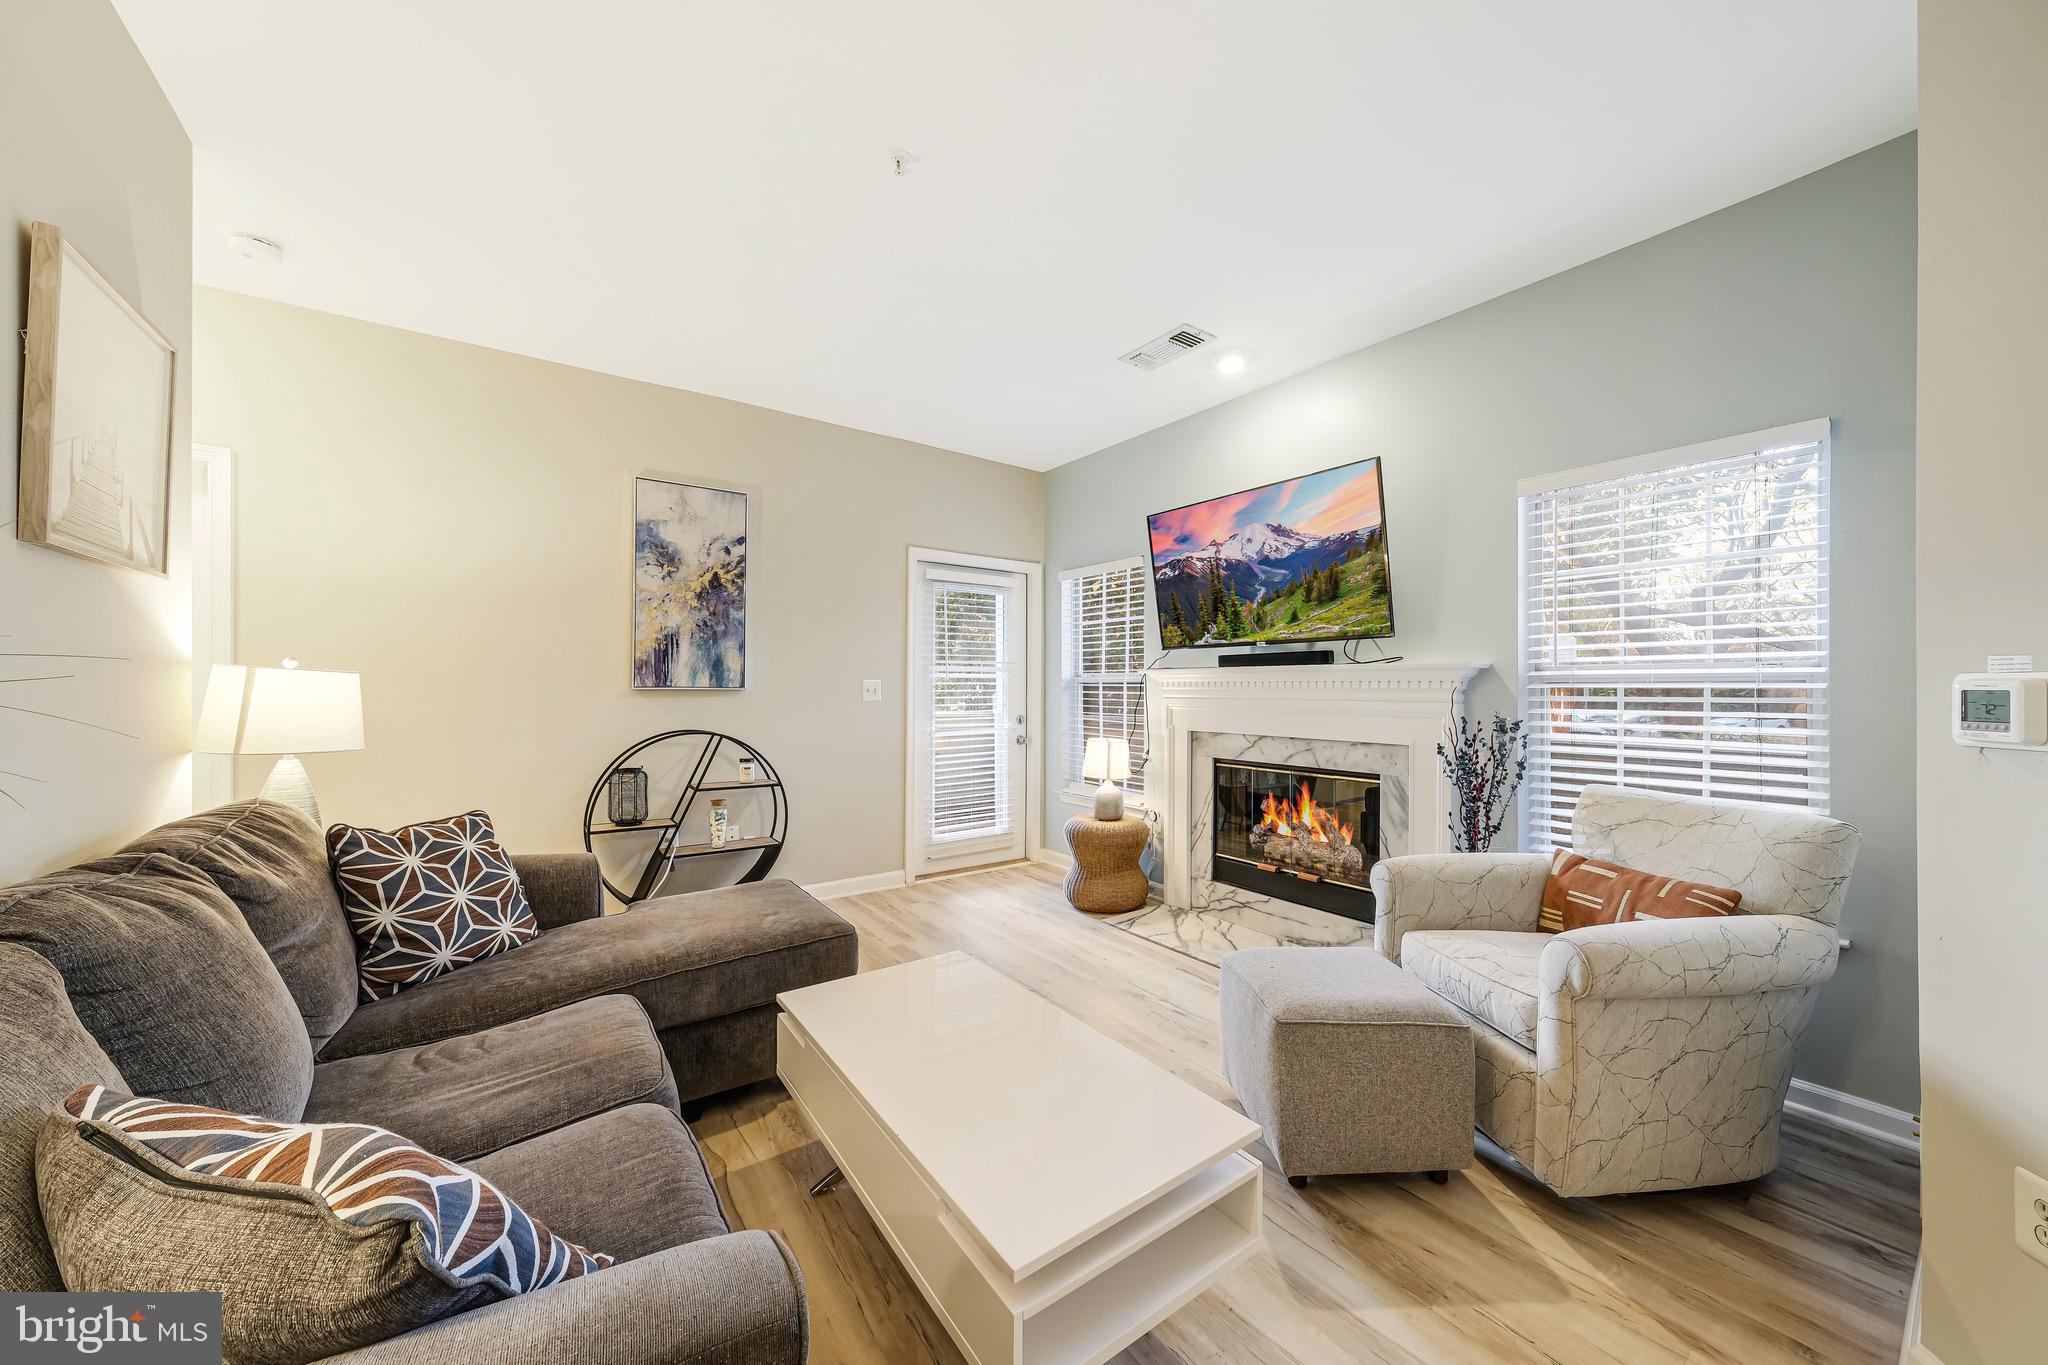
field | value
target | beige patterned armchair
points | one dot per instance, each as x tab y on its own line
1651	1055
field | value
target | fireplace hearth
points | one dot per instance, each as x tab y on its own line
1306	835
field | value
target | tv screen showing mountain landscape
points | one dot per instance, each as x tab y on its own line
1305	559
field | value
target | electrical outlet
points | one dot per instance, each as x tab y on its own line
870	689
2030	1213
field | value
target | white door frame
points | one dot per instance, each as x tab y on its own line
1034	692
213	607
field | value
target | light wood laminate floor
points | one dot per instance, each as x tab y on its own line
1812	1263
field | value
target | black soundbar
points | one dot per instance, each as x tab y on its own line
1263	658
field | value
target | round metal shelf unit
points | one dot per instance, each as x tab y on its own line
668	848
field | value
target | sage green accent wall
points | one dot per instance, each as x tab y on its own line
1796	304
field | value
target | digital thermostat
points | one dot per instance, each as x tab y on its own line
2005	709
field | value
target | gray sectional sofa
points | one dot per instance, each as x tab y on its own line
210	962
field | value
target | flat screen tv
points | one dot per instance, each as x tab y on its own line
1300	560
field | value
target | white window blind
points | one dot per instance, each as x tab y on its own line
1675	626
967	707
1102	616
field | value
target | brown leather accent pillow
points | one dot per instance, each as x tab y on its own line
1580	891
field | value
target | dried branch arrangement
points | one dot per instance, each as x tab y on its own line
1485	764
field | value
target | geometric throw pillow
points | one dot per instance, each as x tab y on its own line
322	1237
1580	891
426	899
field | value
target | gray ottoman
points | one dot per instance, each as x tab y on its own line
1348	1063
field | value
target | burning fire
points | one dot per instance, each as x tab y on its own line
1303	817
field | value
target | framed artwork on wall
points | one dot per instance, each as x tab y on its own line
96	396
689	586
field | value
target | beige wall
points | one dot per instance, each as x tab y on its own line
456	523
1983	558
92	146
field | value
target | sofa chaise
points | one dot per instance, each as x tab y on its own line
209	962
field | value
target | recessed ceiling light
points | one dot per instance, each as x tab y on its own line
1230	363
250	247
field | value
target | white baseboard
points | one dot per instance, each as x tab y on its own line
1911	1351
1855	1113
1053	857
857	886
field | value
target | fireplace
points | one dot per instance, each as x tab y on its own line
1307	835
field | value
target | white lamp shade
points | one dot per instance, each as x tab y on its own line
1108	758
279	711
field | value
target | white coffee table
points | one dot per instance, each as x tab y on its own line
1054	1194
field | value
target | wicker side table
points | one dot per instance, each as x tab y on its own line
1106	878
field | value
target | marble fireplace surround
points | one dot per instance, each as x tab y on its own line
1388	762
1384	718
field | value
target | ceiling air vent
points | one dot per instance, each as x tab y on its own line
1172	346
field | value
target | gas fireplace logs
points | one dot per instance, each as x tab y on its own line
1299	836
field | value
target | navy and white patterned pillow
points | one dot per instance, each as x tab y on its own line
426	899
470	1233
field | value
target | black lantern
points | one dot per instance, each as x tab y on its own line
628	796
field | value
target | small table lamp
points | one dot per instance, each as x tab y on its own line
287	711
1109	760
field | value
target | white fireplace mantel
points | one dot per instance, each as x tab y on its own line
1392	703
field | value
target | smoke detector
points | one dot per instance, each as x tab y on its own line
1172	346
250	247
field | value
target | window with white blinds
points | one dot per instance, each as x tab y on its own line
966	629
1102	617
1675	626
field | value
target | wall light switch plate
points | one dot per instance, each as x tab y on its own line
870	689
2030	1213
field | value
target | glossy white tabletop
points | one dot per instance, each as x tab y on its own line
1037	1129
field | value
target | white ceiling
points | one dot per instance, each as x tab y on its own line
700	194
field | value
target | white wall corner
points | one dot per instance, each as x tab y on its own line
857	886
1053	857
1913	1351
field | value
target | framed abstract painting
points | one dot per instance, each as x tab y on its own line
689	586
95	416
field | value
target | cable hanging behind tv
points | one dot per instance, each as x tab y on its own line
1301	561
